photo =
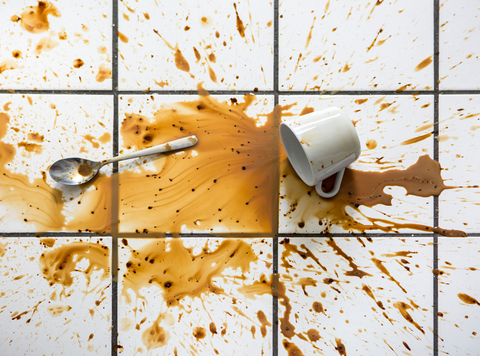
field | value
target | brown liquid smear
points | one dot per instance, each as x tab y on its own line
34	136
47	242
211	73
318	307
374	40
57	265
309	37
360	101
6	106
371	144
43	205
213	328
290	248
406	346
263	320
122	37
423	64
155	336
292	349
402	308
417	139
30	147
57	310
84	170
227	185
402	88
180	61
385	271
35	18
45	44
355	272
103	74
240	26
313	335
369	292
3	248
467	299
307	110
367	188
197	54
9	64
340	347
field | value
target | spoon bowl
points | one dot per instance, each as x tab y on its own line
76	171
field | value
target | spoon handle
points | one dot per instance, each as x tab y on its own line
179	144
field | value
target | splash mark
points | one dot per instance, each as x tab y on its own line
103	74
240	26
416	139
292	349
402	308
375	39
309	37
467	299
34	19
355	272
423	64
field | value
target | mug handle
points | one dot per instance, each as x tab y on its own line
336	187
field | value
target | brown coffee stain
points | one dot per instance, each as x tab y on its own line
402	88
48	242
233	167
292	349
424	127
57	310
355	272
199	333
197	54
342	350
263	320
306	281
313	335
371	144
423	64
406	346
16	54
384	106
346	68
361	101
213	328
417	139
77	63
30	147
92	140
307	110
211	73
161	83
212	58
379	2
367	188
3	248
146	15
45	44
8	64
290	248
402	308
103	74
467	299
318	307
385	271
34	19
122	37
57	265
400	254
369	292
6	106
155	336
309	37
84	170
240	26
375	39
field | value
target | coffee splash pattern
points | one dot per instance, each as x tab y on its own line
355	286
55	290
227	182
229	48
195	296
44	33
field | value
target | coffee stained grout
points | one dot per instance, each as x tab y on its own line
114	187
436	77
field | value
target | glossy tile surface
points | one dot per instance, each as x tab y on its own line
55	296
195	296
226	45
356	45
56	45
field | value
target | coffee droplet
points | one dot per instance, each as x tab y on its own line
84	170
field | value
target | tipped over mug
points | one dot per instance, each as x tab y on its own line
320	144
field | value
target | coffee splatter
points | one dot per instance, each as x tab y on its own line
103	74
371	144
385	271
3	248
30	147
292	349
45	44
313	335
423	64
355	272
34	136
34	19
199	333
57	310
263	320
417	139
122	37
48	242
402	308
77	63
467	299
17	54
57	265
9	64
240	26
340	347
318	307
155	336
307	110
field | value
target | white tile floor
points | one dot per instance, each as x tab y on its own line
276	276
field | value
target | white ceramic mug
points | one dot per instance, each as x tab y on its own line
319	145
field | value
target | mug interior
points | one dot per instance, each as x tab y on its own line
296	154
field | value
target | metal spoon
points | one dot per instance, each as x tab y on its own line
76	171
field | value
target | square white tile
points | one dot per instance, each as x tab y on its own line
459	45
175	46
55	296
37	130
356	45
56	45
459	130
195	296
226	183
459	296
394	131
332	307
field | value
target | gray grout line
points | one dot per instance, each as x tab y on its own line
276	39
115	199
436	77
